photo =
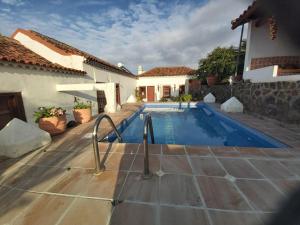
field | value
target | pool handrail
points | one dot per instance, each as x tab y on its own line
147	126
99	167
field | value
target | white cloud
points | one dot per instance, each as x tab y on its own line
13	2
148	33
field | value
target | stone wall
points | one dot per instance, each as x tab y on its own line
276	100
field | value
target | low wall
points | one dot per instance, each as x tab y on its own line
276	100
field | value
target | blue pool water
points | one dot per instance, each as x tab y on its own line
196	124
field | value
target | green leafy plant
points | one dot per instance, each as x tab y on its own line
186	98
138	96
163	99
46	112
220	62
82	105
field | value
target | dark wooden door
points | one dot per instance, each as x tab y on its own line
166	91
150	93
101	100
118	97
11	106
181	89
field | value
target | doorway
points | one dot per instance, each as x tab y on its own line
118	97
101	100
11	106
150	94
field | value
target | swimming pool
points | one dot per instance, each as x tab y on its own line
192	124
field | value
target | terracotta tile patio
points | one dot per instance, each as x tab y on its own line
190	184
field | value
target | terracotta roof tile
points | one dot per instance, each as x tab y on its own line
66	49
168	71
12	51
246	15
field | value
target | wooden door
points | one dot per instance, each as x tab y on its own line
181	89
118	97
166	91
101	100
150	93
11	106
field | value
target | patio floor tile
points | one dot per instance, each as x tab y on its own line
46	210
175	164
173	150
180	216
207	166
271	169
179	190
119	161
154	163
153	149
13	203
292	166
250	152
234	218
287	186
239	168
73	182
198	150
138	189
262	195
126	148
220	193
225	151
277	153
134	214
106	185
88	212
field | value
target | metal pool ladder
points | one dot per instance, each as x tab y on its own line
147	126
99	166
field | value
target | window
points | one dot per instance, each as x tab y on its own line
181	89
166	91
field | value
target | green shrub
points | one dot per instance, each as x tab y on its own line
163	99
186	98
45	112
82	105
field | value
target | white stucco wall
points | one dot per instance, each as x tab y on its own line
69	61
38	88
127	84
259	44
162	81
268	74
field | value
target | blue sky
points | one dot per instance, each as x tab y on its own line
150	33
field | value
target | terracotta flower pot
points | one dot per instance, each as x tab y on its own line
53	125
82	115
211	80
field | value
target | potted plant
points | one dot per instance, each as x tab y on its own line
51	119
82	111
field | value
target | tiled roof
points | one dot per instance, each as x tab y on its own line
247	15
168	71
12	51
66	49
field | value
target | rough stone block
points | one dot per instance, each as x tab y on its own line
232	105
18	138
209	98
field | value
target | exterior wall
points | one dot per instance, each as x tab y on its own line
127	84
38	88
260	45
268	74
164	80
69	61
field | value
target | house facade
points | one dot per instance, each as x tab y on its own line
108	81
28	81
164	82
271	55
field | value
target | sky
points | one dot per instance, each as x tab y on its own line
150	33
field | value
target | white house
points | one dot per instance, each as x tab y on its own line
116	82
271	55
28	81
163	82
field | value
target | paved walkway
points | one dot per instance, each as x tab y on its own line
190	185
